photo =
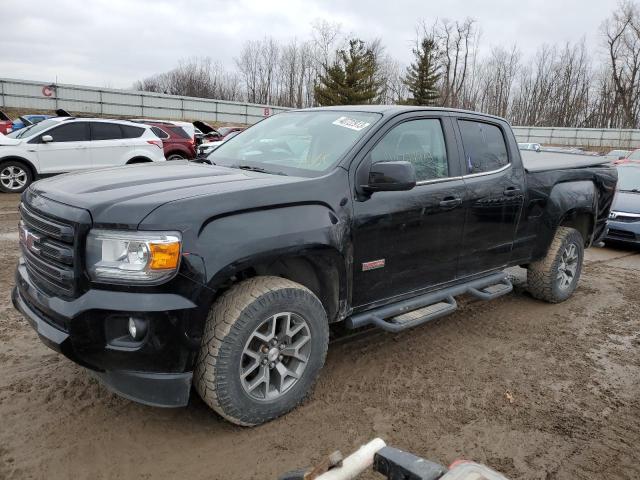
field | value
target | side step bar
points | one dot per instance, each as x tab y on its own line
424	308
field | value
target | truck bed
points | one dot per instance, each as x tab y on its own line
542	161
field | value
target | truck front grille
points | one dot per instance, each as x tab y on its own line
48	250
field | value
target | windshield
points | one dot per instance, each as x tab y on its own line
297	143
33	129
629	178
635	155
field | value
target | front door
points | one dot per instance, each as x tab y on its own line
408	241
67	151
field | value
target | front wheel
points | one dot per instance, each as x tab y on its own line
264	343
555	277
15	177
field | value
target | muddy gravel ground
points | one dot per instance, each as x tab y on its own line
534	390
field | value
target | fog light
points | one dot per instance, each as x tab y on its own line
137	328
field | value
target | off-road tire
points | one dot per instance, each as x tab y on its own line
542	275
13	166
231	321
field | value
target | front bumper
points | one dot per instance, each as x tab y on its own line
154	371
627	232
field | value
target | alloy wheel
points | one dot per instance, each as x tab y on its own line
568	266
275	356
13	177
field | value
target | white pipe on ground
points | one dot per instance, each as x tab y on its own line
356	463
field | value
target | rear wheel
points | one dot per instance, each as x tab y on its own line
176	156
264	344
15	176
555	277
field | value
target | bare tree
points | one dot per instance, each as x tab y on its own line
622	33
194	77
494	82
457	46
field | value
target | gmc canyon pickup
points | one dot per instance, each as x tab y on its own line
225	275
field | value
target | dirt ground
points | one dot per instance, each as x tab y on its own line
534	390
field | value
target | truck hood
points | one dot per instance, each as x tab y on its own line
125	195
626	202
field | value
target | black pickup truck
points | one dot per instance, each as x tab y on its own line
226	274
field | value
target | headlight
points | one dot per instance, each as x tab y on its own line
132	257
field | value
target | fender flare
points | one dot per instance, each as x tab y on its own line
565	200
235	243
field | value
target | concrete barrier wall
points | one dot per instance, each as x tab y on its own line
25	95
580	137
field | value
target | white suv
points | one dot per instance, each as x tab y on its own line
68	144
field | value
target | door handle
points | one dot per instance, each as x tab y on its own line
451	202
512	191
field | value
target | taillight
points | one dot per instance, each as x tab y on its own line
157	143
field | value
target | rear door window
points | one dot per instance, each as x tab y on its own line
105	131
160	133
485	149
70	132
180	132
129	131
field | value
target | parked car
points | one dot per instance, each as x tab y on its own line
5	123
226	277
26	120
618	154
206	133
224	131
187	127
178	145
204	149
633	157
68	144
530	146
624	219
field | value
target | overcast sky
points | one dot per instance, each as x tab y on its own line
115	42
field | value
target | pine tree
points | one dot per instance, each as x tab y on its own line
351	79
423	75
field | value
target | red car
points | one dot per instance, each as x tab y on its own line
178	145
5	123
634	157
224	131
210	134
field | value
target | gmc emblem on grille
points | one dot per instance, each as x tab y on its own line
29	239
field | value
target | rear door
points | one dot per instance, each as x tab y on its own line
108	146
408	241
67	152
495	195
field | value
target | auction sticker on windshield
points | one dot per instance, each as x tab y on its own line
351	123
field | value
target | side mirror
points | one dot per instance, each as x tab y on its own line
46	138
391	177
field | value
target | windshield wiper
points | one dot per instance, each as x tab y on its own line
633	190
252	168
